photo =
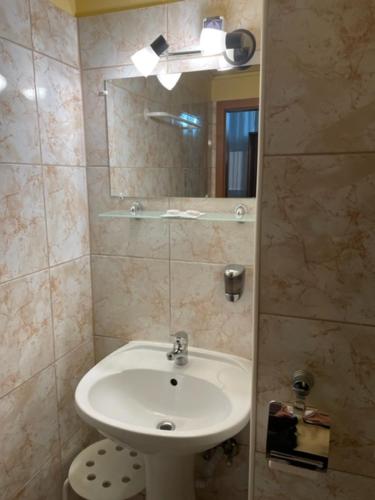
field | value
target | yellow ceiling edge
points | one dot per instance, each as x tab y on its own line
94	7
67	5
81	8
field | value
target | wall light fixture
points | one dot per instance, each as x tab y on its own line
146	59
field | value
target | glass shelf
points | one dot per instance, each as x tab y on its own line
153	214
180	121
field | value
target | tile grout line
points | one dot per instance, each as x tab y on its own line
323	153
41	164
32	49
49	365
43	269
307	318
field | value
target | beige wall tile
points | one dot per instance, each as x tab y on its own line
271	485
213	242
110	39
26	331
71	304
224	482
23	244
142	182
319	77
105	346
29	433
340	358
67	213
199	306
45	485
19	125
318	237
138	238
60	112
95	117
75	444
131	298
54	31
185	19
95	113
69	370
15	21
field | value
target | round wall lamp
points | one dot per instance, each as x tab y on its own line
240	47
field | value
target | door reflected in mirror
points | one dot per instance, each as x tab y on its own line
197	140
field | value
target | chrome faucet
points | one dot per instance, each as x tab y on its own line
179	352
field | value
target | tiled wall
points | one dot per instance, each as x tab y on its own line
317	238
45	286
152	278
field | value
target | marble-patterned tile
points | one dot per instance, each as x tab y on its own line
214	242
71	304
23	245
185	19
273	485
128	238
67	213
54	31
19	136
29	433
95	117
223	482
75	444
318	237
340	358
60	112
131	298
142	182
225	205
25	322
69	371
317	96
110	39
199	306
95	112
15	21
105	346
45	485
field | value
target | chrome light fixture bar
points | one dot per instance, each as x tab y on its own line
238	48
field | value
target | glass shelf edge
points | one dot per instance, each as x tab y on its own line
154	215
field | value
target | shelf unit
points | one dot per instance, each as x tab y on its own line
158	215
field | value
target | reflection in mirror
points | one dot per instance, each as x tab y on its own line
197	140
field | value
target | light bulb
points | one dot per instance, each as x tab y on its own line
145	60
212	41
3	82
169	80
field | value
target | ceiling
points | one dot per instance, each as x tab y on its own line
82	8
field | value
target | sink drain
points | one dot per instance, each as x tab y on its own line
166	425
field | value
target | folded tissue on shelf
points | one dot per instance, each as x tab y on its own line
180	214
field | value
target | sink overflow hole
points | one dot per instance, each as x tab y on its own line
174	381
166	425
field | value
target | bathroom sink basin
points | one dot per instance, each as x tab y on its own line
138	397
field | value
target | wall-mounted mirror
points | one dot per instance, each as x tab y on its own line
199	139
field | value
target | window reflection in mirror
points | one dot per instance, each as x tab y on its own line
198	140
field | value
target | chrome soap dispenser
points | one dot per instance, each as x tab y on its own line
234	278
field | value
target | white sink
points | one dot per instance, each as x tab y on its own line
133	390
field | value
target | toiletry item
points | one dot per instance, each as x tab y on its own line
179	214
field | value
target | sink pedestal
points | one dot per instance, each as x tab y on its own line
169	477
